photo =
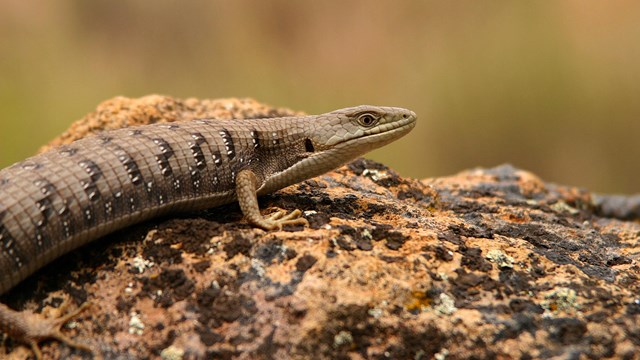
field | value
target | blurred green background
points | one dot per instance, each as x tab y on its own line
550	86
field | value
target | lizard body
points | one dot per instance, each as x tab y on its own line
67	197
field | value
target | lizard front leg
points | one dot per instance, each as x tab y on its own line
246	186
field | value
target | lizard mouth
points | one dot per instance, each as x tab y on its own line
384	135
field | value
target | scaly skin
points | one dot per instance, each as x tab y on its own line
67	197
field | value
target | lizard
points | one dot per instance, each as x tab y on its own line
69	196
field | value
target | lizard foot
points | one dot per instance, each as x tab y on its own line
35	328
280	218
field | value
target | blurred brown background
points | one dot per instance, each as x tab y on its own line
551	87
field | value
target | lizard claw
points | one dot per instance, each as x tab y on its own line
279	219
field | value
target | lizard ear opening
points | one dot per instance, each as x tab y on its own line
308	146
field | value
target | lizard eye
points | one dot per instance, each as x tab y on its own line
367	120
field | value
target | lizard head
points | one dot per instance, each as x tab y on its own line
360	129
334	138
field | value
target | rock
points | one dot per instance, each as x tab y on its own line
122	112
485	263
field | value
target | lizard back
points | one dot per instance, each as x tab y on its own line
57	201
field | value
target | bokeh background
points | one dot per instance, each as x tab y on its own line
549	86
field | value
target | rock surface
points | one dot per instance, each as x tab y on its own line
487	263
121	112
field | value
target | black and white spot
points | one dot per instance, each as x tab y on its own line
228	143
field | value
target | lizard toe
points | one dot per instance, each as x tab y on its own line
35	328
